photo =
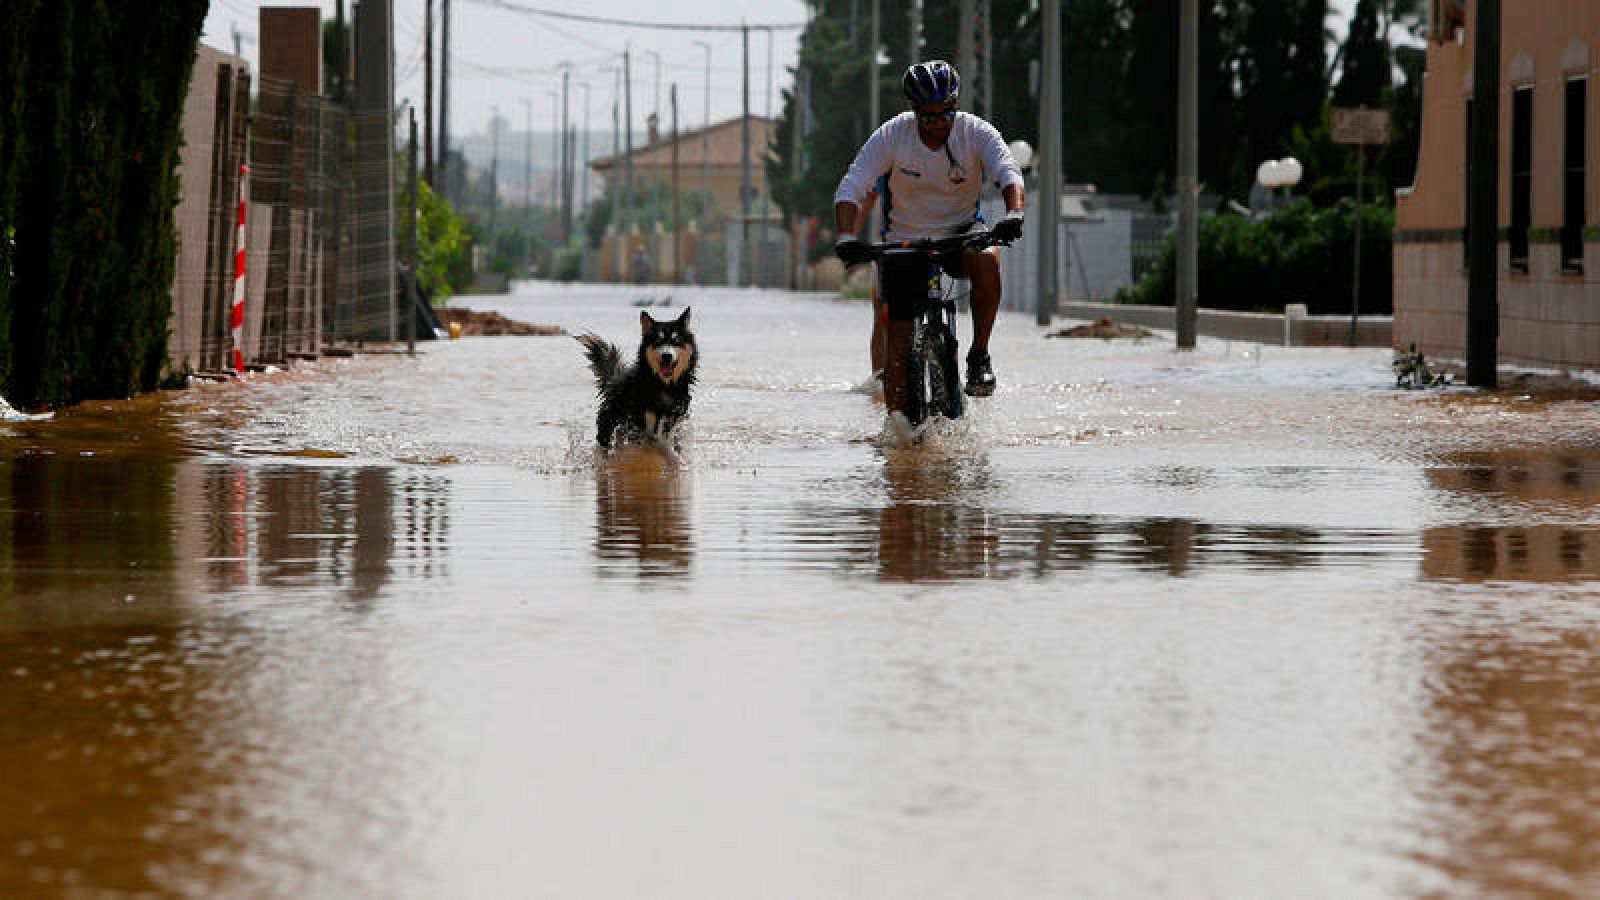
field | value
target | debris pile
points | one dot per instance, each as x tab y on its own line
1105	328
1411	371
491	324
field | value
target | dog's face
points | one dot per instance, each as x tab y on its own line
668	346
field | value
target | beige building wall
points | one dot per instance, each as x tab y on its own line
720	144
1549	316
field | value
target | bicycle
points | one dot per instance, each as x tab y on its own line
933	371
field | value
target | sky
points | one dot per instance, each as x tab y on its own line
508	62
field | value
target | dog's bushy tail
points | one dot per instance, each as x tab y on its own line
605	360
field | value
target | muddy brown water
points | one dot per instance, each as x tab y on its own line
1241	622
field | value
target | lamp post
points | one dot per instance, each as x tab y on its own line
1279	173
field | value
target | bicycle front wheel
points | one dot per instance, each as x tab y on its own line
934	387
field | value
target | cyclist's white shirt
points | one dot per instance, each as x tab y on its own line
924	196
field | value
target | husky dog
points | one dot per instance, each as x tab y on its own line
644	400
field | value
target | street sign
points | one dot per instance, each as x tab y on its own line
1360	126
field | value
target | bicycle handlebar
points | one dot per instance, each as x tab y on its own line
970	240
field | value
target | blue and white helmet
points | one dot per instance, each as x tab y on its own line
932	83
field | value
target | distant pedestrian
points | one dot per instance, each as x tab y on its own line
643	270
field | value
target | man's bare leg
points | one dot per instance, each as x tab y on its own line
984	269
879	314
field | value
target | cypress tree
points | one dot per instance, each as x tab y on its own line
102	104
1366	60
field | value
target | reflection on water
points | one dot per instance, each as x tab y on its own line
1559	485
250	647
641	516
147	750
1514	795
1535	553
85	538
135	535
935	524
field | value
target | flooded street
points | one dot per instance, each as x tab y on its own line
1241	622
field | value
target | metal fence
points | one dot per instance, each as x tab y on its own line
318	235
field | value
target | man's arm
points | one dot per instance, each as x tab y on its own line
845	215
1015	201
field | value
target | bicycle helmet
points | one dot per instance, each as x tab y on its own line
932	83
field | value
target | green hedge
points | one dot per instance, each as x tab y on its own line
91	106
1302	254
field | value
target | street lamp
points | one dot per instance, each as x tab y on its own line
1279	173
1022	152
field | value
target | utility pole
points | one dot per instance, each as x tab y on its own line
802	82
744	165
914	54
411	237
582	206
1048	168
527	190
427	93
494	172
1188	172
1483	207
677	217
985	51
556	140
616	158
655	109
583	191
705	131
445	185
761	248
966	17
566	160
627	135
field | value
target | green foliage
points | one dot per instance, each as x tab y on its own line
17	22
835	68
87	188
1300	255
1365	60
443	264
569	264
1264	69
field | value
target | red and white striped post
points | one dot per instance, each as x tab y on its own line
236	323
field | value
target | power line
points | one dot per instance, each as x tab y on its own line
633	23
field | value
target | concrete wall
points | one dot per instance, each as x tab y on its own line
1294	328
193	214
206	217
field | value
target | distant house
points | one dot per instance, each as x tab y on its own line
1549	283
718	144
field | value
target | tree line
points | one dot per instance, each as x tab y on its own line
1270	71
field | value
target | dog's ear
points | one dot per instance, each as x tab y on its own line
684	319
645	322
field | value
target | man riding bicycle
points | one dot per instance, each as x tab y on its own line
929	165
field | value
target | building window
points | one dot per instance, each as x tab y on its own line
1521	175
1572	188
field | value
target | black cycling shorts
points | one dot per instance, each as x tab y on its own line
903	280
